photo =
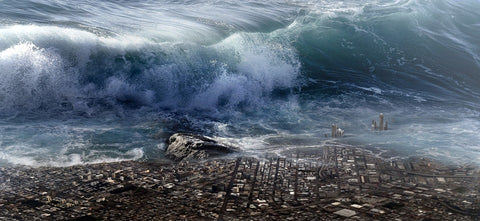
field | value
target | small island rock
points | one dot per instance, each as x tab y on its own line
189	146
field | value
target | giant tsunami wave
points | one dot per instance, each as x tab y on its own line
85	81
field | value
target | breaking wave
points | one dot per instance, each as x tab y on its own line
60	69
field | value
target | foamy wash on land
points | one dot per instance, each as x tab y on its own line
92	81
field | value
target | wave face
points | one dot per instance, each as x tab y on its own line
85	81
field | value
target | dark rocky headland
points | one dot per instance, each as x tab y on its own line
185	146
325	183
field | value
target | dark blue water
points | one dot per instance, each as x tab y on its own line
93	81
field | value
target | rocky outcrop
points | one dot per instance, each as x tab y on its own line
189	146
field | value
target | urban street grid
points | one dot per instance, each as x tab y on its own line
322	183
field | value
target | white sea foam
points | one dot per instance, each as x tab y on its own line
20	157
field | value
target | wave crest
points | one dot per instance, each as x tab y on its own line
49	70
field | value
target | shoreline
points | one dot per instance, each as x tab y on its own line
313	183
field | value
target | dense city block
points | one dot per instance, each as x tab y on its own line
321	183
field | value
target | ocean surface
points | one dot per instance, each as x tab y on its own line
96	81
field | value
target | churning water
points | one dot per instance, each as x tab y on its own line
92	81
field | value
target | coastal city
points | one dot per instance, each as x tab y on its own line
281	110
321	183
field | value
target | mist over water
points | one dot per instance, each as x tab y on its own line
89	81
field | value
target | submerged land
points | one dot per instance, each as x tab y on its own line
324	183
